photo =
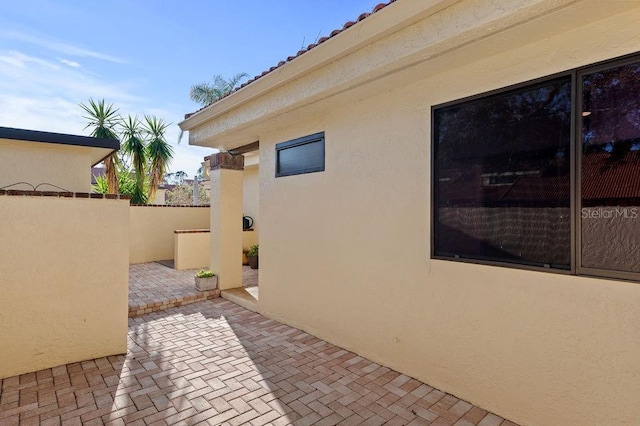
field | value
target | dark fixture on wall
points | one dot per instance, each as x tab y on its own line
247	222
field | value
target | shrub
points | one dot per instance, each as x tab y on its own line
205	274
253	251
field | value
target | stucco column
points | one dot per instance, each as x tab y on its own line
226	218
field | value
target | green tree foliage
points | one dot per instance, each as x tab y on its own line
144	157
182	195
159	151
207	93
176	178
103	119
134	146
127	184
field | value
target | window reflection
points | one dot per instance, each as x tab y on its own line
610	215
503	177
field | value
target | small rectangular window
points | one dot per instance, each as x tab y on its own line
301	155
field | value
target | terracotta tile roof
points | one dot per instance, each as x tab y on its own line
606	180
321	40
609	178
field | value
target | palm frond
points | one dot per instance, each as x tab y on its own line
159	151
103	119
202	93
134	145
235	80
205	93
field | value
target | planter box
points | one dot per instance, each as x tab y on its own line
253	262
204	284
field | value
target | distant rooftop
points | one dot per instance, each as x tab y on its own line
58	138
100	147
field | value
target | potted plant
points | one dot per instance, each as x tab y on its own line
206	280
252	255
245	259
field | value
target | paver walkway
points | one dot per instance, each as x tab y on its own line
155	287
214	362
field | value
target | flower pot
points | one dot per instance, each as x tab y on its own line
209	283
253	262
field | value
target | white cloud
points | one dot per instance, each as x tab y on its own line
57	46
43	95
19	60
38	78
51	115
72	64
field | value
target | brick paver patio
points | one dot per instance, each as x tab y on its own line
155	287
214	362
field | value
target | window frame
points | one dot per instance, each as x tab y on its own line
580	73
575	164
304	140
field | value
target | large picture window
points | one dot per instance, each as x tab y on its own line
543	175
502	166
610	176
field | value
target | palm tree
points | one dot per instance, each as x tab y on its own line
133	144
103	120
159	152
205	93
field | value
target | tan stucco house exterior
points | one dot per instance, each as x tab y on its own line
449	188
49	161
64	253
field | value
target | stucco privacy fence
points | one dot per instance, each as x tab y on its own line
63	253
191	249
162	232
64	259
152	230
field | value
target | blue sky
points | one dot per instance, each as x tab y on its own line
144	55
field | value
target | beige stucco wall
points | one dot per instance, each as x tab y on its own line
65	166
250	191
249	238
64	281
161	197
538	348
192	250
226	227
152	230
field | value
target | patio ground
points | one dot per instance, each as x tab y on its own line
154	287
214	362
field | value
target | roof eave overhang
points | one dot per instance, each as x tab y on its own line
100	154
406	38
365	32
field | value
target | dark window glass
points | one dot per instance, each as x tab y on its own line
610	215
502	177
303	155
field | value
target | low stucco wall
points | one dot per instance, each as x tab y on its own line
64	281
152	229
36	163
192	249
537	348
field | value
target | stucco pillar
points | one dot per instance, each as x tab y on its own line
226	173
